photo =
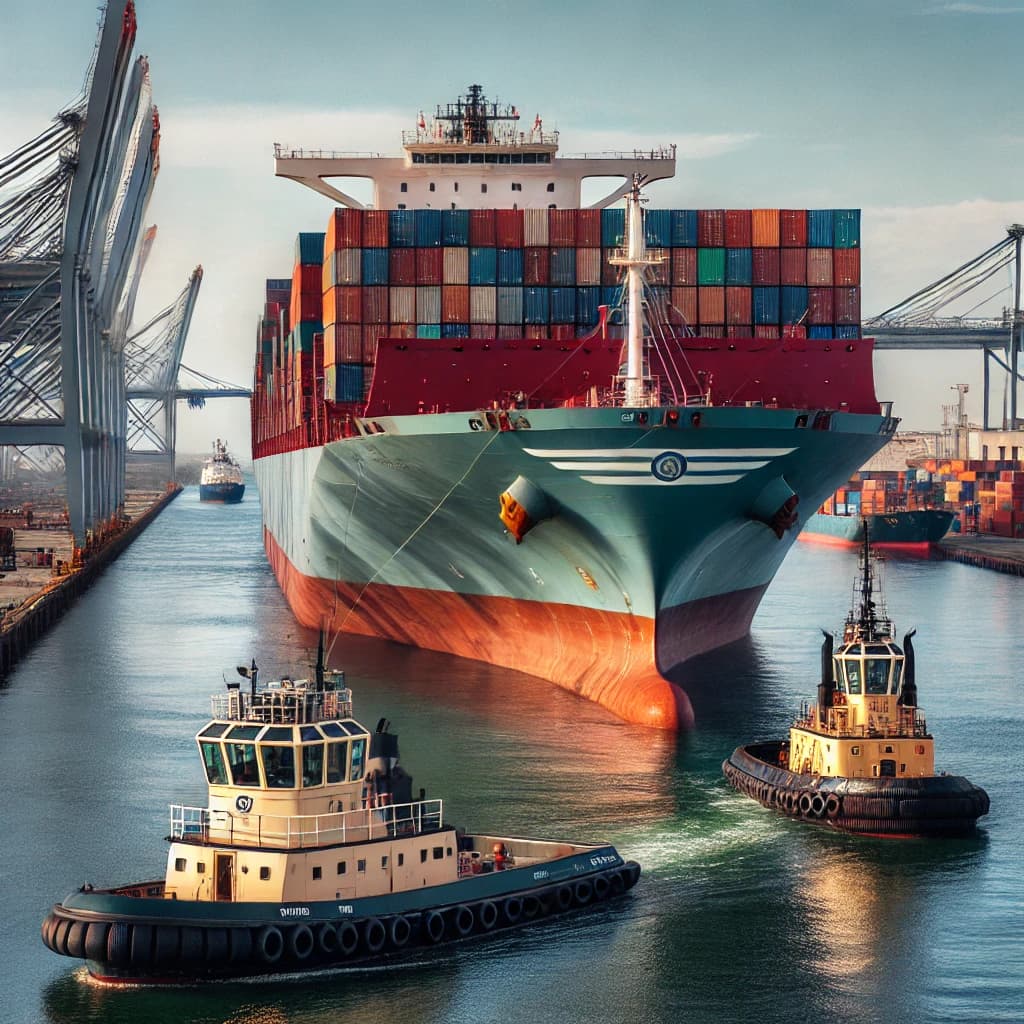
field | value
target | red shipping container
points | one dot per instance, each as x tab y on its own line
588	229
482	330
375	229
684	266
711	304
348	305
455	302
846	266
343	343
847	305
561	228
711	229
765	331
510	332
401	330
766	266
429	265
739	331
481	228
375	304
737	229
792	266
307	307
819	267
371	334
737	305
271	311
344	230
711	331
508	230
820	306
536	265
402	266
793	228
562	332
795	331
536	332
684	301
611	274
307	277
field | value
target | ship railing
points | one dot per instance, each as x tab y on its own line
305	831
288	153
284	703
910	724
503	140
657	153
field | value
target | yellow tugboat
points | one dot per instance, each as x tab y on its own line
861	759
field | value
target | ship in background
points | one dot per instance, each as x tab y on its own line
221	479
574	442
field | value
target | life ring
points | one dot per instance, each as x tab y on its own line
487	915
348	938
583	892
818	805
462	920
96	941
563	897
512	909
327	939
433	926
531	907
399	931
601	887
833	806
374	935
269	944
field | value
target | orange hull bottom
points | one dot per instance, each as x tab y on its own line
606	657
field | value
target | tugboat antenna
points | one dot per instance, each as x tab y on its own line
320	660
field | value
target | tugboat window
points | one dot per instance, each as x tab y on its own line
360	865
853	676
264	874
317	873
877	675
279	766
313	764
242	760
213	761
337	761
179	863
358	758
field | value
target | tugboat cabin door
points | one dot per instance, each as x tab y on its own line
224	877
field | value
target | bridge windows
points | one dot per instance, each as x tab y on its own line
279	766
551	186
313	764
213	762
242	761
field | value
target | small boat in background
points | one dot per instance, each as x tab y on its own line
919	527
861	758
221	479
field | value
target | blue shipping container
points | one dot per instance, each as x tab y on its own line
658	228
509	305
309	248
684	229
613	295
428	330
302	336
821	332
766	305
846	228
535	305
587	301
483	265
794	304
510	266
375	266
847	331
819	228
455	227
402	228
613	226
350	382
562	268
428	228
739	266
276	284
563	305
454	330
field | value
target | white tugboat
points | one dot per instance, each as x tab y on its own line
312	853
222	477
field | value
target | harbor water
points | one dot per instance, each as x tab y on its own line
740	915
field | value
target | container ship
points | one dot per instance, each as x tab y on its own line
221	479
575	442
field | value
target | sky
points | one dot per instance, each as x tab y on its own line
907	109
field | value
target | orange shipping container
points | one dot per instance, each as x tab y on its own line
684	266
455	303
819	266
711	304
765	228
684	300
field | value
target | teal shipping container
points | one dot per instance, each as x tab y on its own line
846	229
483	265
375	266
455	227
794	304
711	266
739	265
819	229
684	229
658	228
587	301
510	266
613	226
428	229
562	267
428	330
402	228
563	305
302	336
509	304
766	305
536	306
309	249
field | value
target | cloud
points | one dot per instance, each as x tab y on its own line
966	8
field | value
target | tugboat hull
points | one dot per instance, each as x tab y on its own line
133	935
893	808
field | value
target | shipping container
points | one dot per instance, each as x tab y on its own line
401	331
375	304
455	266
660	271
819	267
536	267
343	305
587	301
562	267
738	266
658	299
346	267
764	229
510	266
375	266
658	228
372	333
428	229
711	265
455	300
483	265
684	264
819	228
612	296
792	266
302	336
793	229
535	228
402	228
847	306
481	228
739	331
684	229
403	305
711	229
508	229
820	332
737	229
510	332
309	248
847	331
794	304
430	330
766	331
588	263
588	229
562	305
684	302
482	304
454	330
375	229
846	267
764	266
483	331
737	305
711	305
613	227
430	266
846	229
610	272
306	306
820	307
343	343
766	305
344	230
536	307
428	304
347	385
509	304
455	227
562	228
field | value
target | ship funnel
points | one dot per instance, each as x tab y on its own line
908	692
523	506
776	506
826	688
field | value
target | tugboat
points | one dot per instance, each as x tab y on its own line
221	479
861	759
312	853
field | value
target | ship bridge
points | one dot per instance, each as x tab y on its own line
473	155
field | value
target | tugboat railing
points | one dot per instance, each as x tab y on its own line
208	825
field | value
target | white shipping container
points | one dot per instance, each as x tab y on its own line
403	305
535	227
428	304
455	269
588	266
482	304
347	266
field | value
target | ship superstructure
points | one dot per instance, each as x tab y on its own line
221	479
490	419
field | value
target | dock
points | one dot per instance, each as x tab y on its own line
1001	554
45	581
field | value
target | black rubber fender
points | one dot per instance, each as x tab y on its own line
192	945
399	931
166	944
327	940
374	935
512	909
60	936
119	943
217	948
616	883
804	803
240	945
96	941
634	874
582	892
563	897
462	920
601	887
486	915
300	942
433	926
348	938
140	953
833	806
531	907
75	943
269	944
